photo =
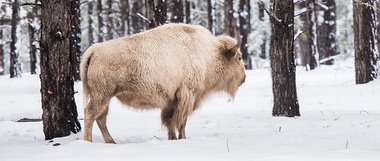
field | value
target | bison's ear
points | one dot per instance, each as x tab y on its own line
231	47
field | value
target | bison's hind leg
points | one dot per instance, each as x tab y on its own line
167	120
102	123
97	109
181	130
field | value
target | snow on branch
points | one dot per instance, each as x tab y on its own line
143	17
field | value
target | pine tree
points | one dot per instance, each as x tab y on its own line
57	83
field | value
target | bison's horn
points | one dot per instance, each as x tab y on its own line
234	49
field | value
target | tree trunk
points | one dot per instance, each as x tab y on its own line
365	33
187	11
15	65
32	46
229	19
244	27
57	84
125	27
99	8
157	11
109	20
75	40
90	23
137	21
263	54
327	46
283	60
209	16
310	31
177	11
1	51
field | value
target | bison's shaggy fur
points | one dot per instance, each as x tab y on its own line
173	67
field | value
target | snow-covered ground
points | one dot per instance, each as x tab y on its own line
340	121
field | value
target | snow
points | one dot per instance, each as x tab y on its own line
340	121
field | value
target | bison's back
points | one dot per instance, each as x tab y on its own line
145	70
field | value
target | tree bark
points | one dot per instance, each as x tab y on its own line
15	65
327	46
109	20
283	60
32	47
310	31
157	11
229	19
75	39
177	11
57	83
1	51
125	27
137	21
365	33
90	23
187	11
244	27
209	16
99	8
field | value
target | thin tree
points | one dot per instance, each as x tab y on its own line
311	36
15	65
75	39
137	18
124	10
187	11
57	82
244	28
1	49
209	16
365	37
282	58
327	46
229	19
157	13
177	14
32	30
109	20
99	8
90	23
263	54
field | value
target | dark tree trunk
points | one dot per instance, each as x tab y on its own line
15	65
75	41
283	60
229	19
364	30
209	15
263	54
137	21
99	8
57	83
157	11
327	46
187	11
109	20
125	27
244	27
90	23
377	3
177	11
32	47
1	52
32	30
310	31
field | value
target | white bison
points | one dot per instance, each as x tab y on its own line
173	67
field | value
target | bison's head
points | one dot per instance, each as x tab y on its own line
233	65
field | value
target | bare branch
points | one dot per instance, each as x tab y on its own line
367	5
272	15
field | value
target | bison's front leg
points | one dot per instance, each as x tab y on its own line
181	130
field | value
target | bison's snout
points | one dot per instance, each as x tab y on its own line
243	80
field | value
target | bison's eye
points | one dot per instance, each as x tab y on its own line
240	58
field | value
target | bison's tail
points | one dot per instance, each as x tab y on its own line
86	57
